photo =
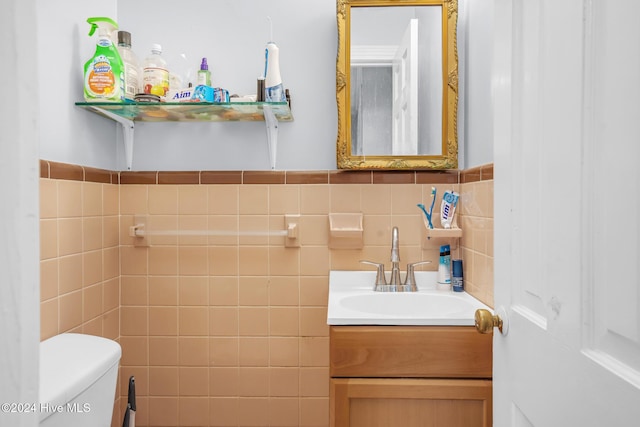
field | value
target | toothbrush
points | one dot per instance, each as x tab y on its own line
430	213
421	206
433	200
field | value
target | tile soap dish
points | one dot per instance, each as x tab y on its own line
345	231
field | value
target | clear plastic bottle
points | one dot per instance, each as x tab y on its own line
155	73
132	72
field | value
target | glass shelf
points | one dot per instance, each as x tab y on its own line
191	111
127	114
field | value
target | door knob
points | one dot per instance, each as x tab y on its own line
485	321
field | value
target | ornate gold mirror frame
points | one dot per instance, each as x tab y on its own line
448	157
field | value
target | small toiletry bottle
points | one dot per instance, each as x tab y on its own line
444	268
155	73
204	75
260	90
132	75
457	280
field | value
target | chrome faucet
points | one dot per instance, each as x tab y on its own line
395	284
395	260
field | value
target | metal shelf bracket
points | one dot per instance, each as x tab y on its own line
128	126
272	134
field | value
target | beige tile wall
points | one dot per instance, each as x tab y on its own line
79	259
476	219
227	330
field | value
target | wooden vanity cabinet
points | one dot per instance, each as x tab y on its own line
410	376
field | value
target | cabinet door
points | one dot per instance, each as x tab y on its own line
372	402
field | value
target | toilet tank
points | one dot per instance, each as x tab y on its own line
78	375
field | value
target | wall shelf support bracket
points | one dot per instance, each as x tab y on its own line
128	127
272	134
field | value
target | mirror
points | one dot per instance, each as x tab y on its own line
397	84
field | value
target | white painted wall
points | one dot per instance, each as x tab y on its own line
475	57
232	35
19	243
68	133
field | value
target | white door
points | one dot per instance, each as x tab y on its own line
405	93
566	88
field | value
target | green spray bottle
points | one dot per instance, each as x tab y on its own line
104	72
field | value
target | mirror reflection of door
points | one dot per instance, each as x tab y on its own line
405	93
371	103
396	79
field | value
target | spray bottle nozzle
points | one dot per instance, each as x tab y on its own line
103	22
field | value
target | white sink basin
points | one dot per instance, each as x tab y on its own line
352	301
392	303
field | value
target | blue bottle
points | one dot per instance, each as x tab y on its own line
457	279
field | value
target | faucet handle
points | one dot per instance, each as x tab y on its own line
380	278
410	280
